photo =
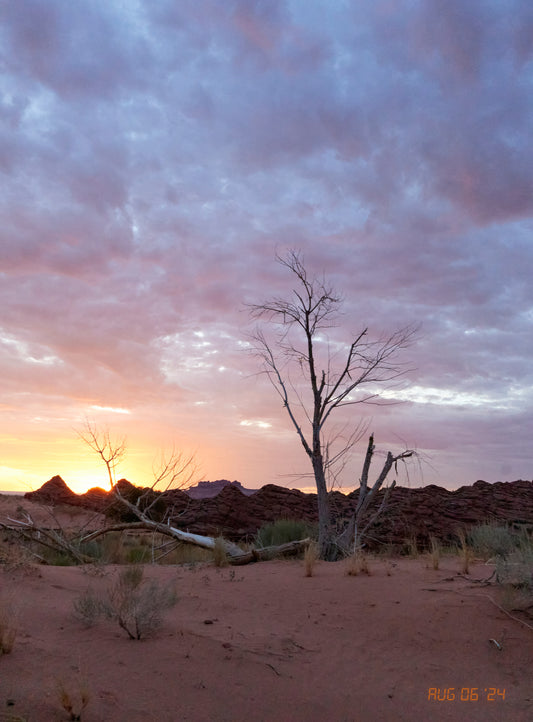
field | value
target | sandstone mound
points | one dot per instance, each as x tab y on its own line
411	513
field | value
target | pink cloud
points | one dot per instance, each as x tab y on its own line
155	157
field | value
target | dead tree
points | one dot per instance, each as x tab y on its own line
350	540
327	381
175	471
57	540
110	451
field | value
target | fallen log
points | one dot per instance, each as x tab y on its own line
58	541
266	553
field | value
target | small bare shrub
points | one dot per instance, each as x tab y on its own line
88	608
356	564
516	568
310	559
135	604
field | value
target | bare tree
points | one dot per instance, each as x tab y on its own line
174	471
334	376
151	507
110	451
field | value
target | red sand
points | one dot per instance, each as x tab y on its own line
280	647
263	642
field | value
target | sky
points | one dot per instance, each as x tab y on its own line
156	156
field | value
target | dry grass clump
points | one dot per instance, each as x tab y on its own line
411	547
8	626
220	557
134	603
310	559
357	564
435	552
466	553
184	554
73	701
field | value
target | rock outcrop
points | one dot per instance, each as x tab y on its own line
410	514
209	489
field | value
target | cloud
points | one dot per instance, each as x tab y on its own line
156	156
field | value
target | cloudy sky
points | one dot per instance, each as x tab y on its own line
155	156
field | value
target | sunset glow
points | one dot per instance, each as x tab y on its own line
155	156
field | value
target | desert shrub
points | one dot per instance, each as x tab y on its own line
466	553
137	605
410	547
57	558
8	627
134	603
187	554
283	531
73	701
88	608
93	549
356	564
138	555
516	567
121	548
220	558
492	540
310	558
435	552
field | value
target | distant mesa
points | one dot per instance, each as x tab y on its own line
209	489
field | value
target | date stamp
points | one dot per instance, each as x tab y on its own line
466	694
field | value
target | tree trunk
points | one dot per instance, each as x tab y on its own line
326	542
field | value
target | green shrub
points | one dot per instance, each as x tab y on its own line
492	540
93	549
58	558
516	568
138	555
283	531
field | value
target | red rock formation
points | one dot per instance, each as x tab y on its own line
208	489
411	513
53	492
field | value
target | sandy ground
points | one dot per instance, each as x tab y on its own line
63	515
263	642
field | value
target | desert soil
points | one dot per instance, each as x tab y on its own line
264	642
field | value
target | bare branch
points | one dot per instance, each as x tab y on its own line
110	451
301	322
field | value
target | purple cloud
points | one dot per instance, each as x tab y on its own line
155	157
